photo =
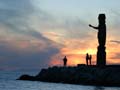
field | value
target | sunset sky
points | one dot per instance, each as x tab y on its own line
39	33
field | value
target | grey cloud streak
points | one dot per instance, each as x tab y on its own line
15	18
115	41
117	56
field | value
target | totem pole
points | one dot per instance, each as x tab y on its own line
101	53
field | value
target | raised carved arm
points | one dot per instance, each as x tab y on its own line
93	26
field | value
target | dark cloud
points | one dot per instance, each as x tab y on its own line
115	41
15	8
37	60
14	15
15	18
22	5
10	57
116	56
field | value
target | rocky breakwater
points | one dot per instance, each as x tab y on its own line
87	75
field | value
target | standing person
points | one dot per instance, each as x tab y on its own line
87	58
65	61
90	58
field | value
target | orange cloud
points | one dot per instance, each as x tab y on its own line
76	50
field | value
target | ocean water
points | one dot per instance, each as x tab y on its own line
8	82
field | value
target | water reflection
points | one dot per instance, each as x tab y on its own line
99	88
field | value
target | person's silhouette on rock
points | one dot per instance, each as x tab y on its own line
65	61
87	58
90	58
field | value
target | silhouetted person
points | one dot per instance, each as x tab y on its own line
65	61
101	54
90	59
87	58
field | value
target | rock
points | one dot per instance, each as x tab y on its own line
26	77
88	75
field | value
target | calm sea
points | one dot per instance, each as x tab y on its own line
8	82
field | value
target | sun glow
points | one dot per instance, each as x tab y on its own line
91	51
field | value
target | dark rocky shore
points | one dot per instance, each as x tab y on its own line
82	74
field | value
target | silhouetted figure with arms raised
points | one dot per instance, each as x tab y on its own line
65	61
101	54
87	58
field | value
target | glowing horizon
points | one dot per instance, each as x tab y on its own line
43	32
